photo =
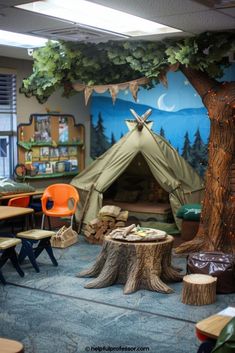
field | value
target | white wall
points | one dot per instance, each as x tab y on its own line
25	106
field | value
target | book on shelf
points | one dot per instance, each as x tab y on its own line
72	151
63	129
44	153
42	129
54	154
36	153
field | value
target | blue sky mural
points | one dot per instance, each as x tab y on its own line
177	110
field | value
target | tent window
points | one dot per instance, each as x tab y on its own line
7	123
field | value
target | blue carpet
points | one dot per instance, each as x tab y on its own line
52	312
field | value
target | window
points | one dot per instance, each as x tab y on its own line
7	123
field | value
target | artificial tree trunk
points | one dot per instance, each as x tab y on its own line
217	224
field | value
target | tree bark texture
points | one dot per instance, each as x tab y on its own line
136	264
199	289
217	224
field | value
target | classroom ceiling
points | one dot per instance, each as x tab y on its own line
190	16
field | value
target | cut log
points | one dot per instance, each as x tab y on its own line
199	289
137	265
107	218
123	216
119	224
110	210
90	229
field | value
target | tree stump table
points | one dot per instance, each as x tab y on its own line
138	265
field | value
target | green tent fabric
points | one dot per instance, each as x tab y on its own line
169	169
226	340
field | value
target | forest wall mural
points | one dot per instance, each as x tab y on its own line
171	109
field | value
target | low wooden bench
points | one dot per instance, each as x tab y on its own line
7	247
10	346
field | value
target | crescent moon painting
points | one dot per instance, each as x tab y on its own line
162	105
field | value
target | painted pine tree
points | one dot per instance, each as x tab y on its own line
93	139
113	141
198	153
102	143
186	152
162	132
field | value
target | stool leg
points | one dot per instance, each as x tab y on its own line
38	249
4	258
2	279
46	244
14	261
27	250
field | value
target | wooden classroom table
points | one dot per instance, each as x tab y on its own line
212	325
137	265
7	212
32	193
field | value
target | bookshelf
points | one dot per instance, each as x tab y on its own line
51	146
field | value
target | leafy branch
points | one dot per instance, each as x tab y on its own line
59	64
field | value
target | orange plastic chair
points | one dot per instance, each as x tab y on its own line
64	198
20	201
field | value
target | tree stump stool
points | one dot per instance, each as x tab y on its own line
138	265
10	346
199	289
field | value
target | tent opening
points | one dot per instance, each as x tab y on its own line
137	191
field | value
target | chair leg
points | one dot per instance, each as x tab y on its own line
75	224
14	261
71	221
46	244
49	222
43	220
27	250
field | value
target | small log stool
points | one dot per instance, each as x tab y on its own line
199	289
10	346
31	237
7	247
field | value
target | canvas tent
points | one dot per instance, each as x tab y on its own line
169	169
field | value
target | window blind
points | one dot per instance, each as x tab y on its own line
7	101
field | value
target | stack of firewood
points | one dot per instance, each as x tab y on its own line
109	218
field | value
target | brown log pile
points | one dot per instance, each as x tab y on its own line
109	218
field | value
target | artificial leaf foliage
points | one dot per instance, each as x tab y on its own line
60	64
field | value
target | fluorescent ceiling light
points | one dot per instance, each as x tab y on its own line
21	40
90	14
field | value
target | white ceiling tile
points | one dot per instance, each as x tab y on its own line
153	8
204	21
24	21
